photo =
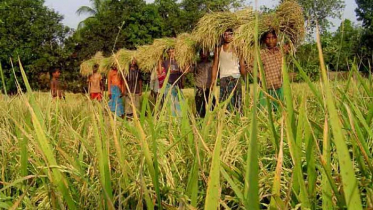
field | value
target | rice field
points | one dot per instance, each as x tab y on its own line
74	154
315	152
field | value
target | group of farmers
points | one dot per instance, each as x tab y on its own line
226	64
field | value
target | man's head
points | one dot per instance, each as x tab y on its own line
56	72
270	39
95	68
203	54
228	35
171	53
114	67
133	64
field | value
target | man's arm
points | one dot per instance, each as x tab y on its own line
215	67
102	88
140	84
243	67
109	83
122	86
89	83
159	70
53	89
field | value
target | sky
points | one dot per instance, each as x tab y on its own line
68	8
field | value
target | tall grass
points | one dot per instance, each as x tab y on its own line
88	158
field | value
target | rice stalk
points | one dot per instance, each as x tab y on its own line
350	186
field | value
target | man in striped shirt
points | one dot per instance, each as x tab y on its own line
134	88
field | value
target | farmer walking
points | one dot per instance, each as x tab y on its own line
133	93
116	91
95	85
231	68
174	83
202	77
271	57
57	90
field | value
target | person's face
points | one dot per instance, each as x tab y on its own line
57	74
133	62
203	54
171	53
228	36
270	40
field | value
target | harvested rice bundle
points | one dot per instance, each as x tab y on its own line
291	21
86	68
287	22
186	50
106	64
123	59
210	27
148	56
243	40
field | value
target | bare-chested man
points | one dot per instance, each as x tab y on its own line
116	91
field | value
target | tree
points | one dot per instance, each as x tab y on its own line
124	24
193	10
364	13
320	11
170	12
346	41
98	7
34	33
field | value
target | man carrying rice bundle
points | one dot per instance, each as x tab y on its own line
202	76
133	93
231	68
95	85
174	83
271	57
116	91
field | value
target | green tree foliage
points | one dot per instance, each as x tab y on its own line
124	24
193	10
341	48
34	33
320	11
98	7
344	46
364	13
